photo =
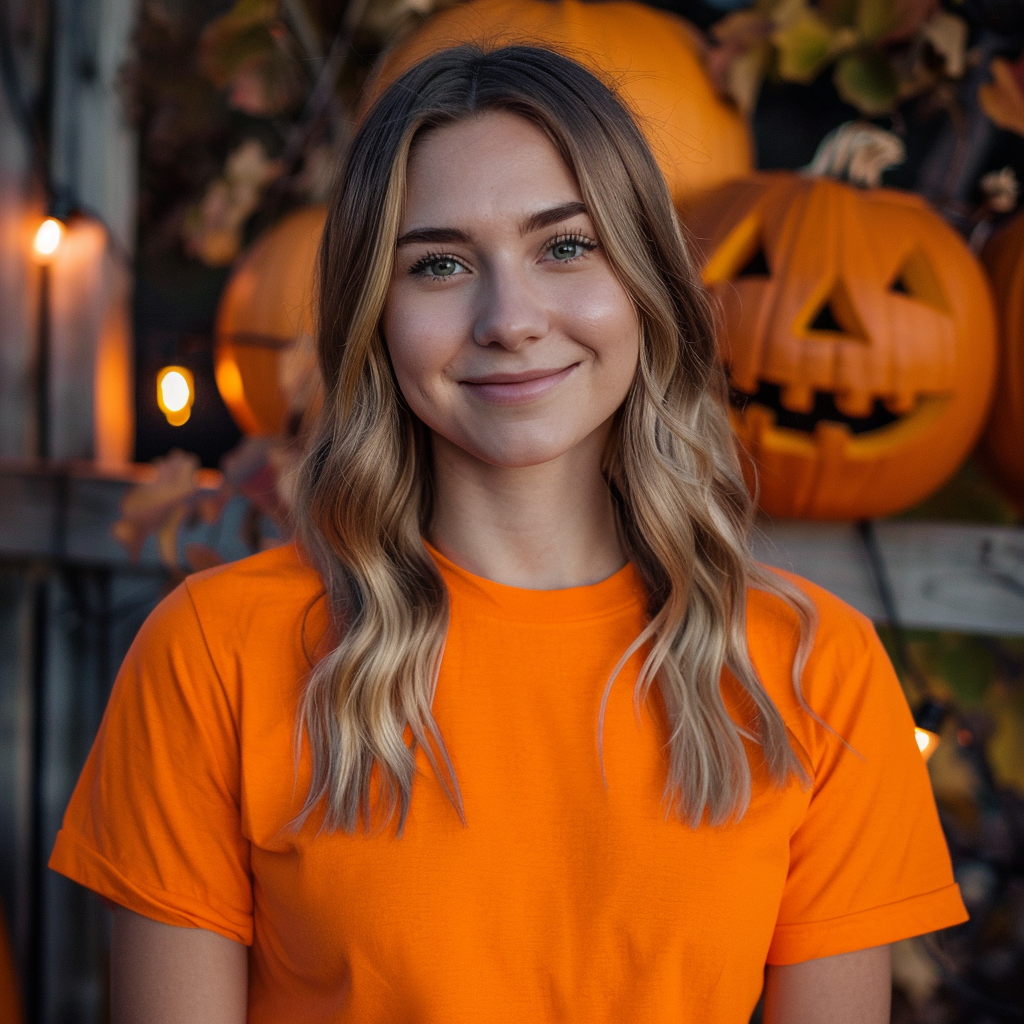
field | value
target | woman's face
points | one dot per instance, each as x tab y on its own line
510	335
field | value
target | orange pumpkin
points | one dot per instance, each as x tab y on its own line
859	336
651	57
1002	445
263	354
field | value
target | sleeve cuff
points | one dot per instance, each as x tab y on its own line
795	943
82	864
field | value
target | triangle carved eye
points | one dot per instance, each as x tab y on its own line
836	315
826	320
917	279
756	266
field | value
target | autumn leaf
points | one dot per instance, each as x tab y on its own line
805	43
212	231
875	19
1001	190
910	16
947	36
739	56
1002	99
260	470
745	75
859	153
158	506
250	52
231	40
866	80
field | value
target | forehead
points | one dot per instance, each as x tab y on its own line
492	165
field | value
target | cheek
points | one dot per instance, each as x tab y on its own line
603	320
420	340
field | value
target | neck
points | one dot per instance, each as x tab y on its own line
543	527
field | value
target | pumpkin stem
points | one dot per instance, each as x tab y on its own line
858	153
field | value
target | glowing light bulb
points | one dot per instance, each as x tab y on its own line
175	393
49	235
927	741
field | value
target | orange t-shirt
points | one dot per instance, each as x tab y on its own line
564	897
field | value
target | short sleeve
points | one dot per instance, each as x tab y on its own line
154	822
868	862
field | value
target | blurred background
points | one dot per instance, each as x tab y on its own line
849	172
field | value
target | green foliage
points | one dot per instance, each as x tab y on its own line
883	50
866	79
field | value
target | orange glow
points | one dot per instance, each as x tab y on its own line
47	241
232	389
175	393
927	741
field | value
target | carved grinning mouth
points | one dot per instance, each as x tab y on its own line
824	410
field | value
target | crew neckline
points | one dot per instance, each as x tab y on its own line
618	592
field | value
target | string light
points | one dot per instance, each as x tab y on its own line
927	741
928	719
47	241
175	393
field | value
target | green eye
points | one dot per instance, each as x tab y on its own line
566	250
443	267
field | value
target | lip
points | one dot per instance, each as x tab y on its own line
514	388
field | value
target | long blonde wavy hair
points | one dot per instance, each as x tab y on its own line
365	494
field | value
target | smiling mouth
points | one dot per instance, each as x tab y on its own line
513	388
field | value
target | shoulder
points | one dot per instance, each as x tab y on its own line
255	611
840	631
848	681
261	587
282	572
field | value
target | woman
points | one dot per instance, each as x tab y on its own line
565	752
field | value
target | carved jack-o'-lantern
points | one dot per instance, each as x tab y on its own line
1002	445
859	337
265	365
653	59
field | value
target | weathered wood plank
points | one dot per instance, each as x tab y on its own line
943	575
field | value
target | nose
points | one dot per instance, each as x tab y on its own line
511	312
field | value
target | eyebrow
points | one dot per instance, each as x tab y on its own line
536	221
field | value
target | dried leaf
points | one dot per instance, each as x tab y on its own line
745	75
910	16
158	505
251	52
859	153
212	230
254	470
1000	189
236	37
739	57
1002	99
866	80
167	536
947	36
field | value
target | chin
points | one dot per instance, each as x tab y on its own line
518	452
